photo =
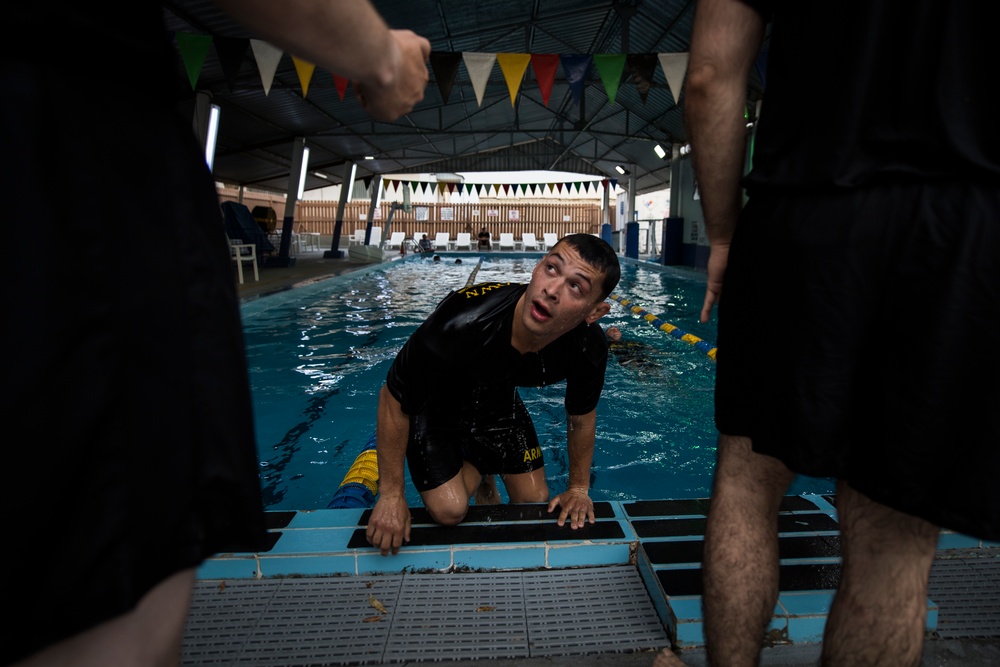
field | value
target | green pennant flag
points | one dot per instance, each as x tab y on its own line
193	49
610	67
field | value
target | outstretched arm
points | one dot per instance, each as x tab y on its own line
575	502
347	37
389	525
726	37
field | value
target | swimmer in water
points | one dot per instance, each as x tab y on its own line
458	424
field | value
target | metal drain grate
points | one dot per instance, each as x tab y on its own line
966	589
459	616
430	617
590	611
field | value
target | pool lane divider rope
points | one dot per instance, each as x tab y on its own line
360	485
666	327
472	276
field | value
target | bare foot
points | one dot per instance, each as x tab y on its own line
487	493
667	658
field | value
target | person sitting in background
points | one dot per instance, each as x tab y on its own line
484	239
424	244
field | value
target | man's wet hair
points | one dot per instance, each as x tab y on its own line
596	252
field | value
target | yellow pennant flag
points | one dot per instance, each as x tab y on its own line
305	71
513	66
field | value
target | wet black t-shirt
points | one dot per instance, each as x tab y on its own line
460	362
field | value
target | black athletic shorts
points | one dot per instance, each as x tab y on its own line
858	339
441	442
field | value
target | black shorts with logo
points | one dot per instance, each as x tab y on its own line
440	443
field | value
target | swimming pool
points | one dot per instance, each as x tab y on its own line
318	356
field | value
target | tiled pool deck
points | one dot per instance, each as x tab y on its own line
508	585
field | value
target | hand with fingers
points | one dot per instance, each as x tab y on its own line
389	525
394	96
575	504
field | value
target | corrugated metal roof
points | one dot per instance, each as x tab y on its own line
590	136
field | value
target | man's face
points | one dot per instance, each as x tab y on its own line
563	292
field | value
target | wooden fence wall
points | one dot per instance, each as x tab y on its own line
507	217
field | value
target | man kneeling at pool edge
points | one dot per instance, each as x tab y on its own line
450	409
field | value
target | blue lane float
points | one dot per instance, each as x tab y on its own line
667	327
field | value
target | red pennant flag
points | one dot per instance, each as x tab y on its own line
341	83
544	66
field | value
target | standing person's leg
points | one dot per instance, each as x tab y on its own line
741	551
879	612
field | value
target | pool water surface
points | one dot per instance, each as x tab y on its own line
319	354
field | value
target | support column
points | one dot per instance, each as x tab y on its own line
346	184
632	213
296	174
376	188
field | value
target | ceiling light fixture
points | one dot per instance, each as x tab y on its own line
304	171
212	136
660	153
620	169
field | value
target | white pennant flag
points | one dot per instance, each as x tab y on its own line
674	67
267	58
479	65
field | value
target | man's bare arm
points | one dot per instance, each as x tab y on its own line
725	40
346	37
389	525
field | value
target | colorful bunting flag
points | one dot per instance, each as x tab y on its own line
267	58
231	52
479	66
305	71
444	64
642	66
575	68
674	67
513	66
340	82
544	65
193	49
610	67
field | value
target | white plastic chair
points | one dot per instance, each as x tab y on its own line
395	240
243	252
463	240
506	241
528	240
549	239
441	241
